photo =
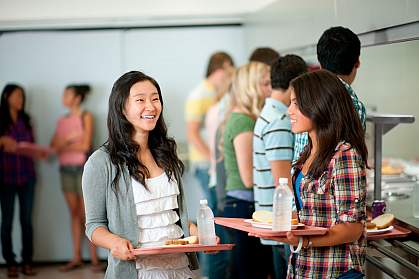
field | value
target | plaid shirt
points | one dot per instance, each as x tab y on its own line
338	196
17	170
301	140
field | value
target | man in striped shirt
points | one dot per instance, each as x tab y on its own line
273	144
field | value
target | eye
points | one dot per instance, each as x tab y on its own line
156	99
139	100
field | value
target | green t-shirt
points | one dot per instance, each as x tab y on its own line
237	123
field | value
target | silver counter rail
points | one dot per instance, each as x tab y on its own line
392	258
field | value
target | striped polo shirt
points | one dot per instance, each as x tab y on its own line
272	140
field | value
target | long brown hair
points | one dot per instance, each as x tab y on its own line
322	97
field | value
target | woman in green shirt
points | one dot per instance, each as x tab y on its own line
251	85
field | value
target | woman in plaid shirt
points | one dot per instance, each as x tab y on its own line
329	179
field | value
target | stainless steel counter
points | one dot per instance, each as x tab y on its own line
403	211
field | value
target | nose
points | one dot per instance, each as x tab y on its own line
149	105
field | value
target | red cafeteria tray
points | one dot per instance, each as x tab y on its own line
396	232
240	224
170	249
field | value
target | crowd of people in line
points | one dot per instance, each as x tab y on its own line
247	127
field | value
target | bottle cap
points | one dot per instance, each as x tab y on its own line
203	202
283	180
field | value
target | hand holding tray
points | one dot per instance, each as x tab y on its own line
240	224
170	249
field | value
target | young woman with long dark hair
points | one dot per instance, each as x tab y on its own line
329	179
17	177
132	185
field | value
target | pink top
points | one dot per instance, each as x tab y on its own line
71	127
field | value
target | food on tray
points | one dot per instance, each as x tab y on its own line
371	226
176	242
383	221
391	170
294	221
262	216
193	239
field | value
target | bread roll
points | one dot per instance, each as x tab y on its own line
383	221
262	216
193	239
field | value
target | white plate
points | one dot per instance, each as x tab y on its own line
261	225
376	231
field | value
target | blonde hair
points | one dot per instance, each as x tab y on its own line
245	89
246	95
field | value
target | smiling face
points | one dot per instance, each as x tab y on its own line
143	106
299	122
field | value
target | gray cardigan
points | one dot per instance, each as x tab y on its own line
116	213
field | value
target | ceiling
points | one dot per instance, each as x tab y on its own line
27	14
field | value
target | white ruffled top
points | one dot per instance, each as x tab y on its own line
157	219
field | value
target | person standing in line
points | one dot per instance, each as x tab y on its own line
218	78
273	145
17	178
72	141
132	186
250	86
338	51
329	180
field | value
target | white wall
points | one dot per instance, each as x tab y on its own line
45	62
388	80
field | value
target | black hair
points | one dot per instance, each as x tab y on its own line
285	69
265	55
120	145
322	97
5	117
80	90
338	50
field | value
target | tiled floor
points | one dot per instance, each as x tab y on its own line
52	272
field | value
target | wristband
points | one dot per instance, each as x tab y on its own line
300	244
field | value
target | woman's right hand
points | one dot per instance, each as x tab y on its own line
122	249
9	144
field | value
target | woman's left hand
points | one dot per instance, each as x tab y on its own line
291	238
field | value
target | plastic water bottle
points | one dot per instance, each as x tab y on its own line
282	209
206	228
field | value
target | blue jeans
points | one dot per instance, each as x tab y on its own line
25	196
351	274
281	254
201	174
251	259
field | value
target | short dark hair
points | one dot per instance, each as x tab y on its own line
80	90
285	69
265	55
338	50
217	61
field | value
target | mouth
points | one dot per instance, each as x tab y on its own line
293	120
148	117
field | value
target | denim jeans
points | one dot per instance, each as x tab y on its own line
251	259
201	174
351	274
281	254
25	196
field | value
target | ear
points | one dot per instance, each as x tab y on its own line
357	64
